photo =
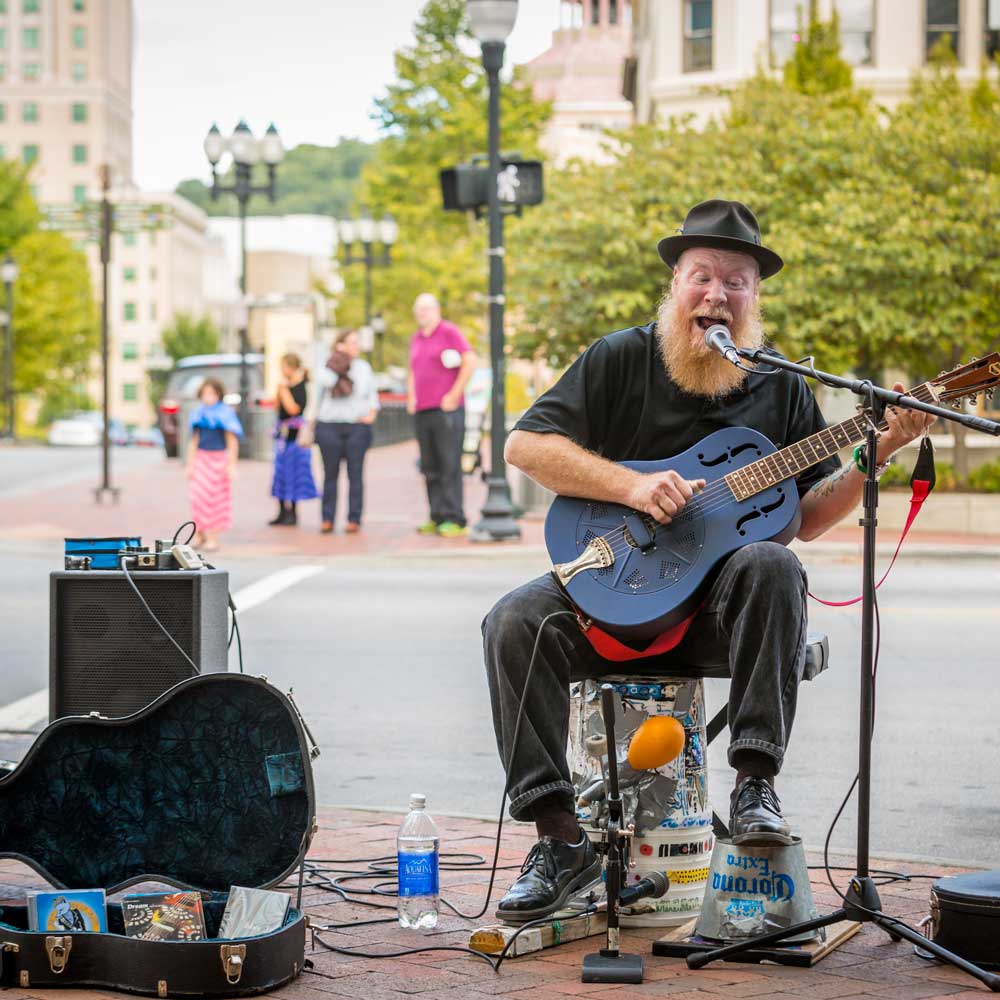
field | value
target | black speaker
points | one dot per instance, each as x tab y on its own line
108	655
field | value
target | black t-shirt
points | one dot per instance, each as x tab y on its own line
298	393
617	400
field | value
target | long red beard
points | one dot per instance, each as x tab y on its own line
697	370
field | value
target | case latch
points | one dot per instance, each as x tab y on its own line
10	946
232	961
58	949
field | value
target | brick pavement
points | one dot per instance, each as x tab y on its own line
867	966
154	502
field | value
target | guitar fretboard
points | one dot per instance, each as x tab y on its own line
789	462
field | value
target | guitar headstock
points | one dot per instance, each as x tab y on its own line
979	375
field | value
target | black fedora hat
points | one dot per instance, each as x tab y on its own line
723	225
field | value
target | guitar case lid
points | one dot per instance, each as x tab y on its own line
207	787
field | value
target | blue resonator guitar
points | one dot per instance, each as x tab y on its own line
637	578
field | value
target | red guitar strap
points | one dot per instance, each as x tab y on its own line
610	648
921	482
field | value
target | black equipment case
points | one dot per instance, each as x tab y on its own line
965	916
209	786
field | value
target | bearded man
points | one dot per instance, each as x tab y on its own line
647	393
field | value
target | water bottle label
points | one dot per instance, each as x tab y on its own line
418	874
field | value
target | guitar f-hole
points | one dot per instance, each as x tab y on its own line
762	511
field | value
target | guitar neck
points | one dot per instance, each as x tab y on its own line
789	462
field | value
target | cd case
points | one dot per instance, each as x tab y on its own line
79	911
251	912
164	916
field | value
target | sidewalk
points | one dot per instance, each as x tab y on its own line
154	502
868	965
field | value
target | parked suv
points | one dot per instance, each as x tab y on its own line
186	379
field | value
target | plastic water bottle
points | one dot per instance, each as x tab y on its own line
417	852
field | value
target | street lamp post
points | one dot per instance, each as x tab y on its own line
246	152
367	231
8	273
492	21
378	329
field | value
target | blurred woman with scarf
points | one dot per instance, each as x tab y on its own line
293	478
347	410
211	463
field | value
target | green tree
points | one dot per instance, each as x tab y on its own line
886	222
187	336
184	337
312	180
434	116
55	319
55	330
816	65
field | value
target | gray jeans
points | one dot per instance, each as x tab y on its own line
752	628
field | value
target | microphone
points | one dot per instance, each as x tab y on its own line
717	339
655	884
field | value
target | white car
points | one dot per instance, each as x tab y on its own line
83	430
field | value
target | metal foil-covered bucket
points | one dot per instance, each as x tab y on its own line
753	890
668	806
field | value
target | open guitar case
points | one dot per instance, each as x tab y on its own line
209	786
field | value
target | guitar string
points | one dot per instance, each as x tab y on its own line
717	490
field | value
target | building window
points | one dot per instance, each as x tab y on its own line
79	72
857	22
130	311
992	22
942	19
79	6
3	112
3	71
31	71
697	35
79	37
3	153
79	193
128	274
31	6
79	112
612	11
130	350
128	238
130	391
595	13
29	153
152	310
79	153
3	38
31	38
29	112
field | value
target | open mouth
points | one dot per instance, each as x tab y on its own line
706	321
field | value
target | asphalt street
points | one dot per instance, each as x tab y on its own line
384	656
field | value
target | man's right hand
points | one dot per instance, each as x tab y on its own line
663	495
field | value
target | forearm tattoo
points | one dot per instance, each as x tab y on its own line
826	487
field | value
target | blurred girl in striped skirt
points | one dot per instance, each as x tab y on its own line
211	463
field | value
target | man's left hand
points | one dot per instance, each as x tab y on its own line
904	427
450	401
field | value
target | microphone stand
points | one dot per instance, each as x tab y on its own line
861	903
609	965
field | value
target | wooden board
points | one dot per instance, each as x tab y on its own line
676	944
493	939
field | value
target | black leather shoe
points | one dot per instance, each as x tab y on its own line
755	815
552	873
